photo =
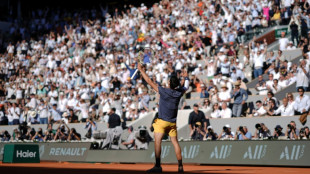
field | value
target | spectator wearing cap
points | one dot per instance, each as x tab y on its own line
204	92
198	133
240	96
196	116
53	94
290	46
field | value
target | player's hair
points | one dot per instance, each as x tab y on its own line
174	82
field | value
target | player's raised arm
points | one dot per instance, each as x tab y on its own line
147	78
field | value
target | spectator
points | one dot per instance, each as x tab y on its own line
283	42
302	102
194	117
278	132
226	133
14	112
302	79
285	109
204	92
243	134
225	112
260	110
271	108
224	96
240	96
72	117
216	112
55	115
292	132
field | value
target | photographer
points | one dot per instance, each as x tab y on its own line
130	142
38	136
73	135
261	131
211	134
91	126
198	132
49	135
304	133
243	134
226	133
291	132
194	117
61	133
278	132
5	136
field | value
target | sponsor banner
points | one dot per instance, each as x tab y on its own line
21	153
58	151
280	153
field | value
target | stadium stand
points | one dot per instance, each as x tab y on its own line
69	69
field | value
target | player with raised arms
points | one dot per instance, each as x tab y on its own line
167	114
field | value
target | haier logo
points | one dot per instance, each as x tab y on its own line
294	153
27	154
191	152
255	153
165	150
221	153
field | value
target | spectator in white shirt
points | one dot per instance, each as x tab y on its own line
62	104
43	109
275	87
290	46
260	111
224	95
302	74
302	102
216	112
283	42
225	112
285	109
15	112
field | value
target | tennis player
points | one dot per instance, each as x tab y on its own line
167	115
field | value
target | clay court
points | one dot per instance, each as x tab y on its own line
94	168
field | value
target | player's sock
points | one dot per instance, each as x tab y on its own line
157	164
180	163
180	167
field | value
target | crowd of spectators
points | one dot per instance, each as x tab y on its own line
76	65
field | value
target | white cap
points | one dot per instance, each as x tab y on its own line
209	127
199	65
227	125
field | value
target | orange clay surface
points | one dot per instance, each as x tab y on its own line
99	168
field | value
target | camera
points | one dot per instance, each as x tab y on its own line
258	126
241	129
302	131
290	126
210	130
